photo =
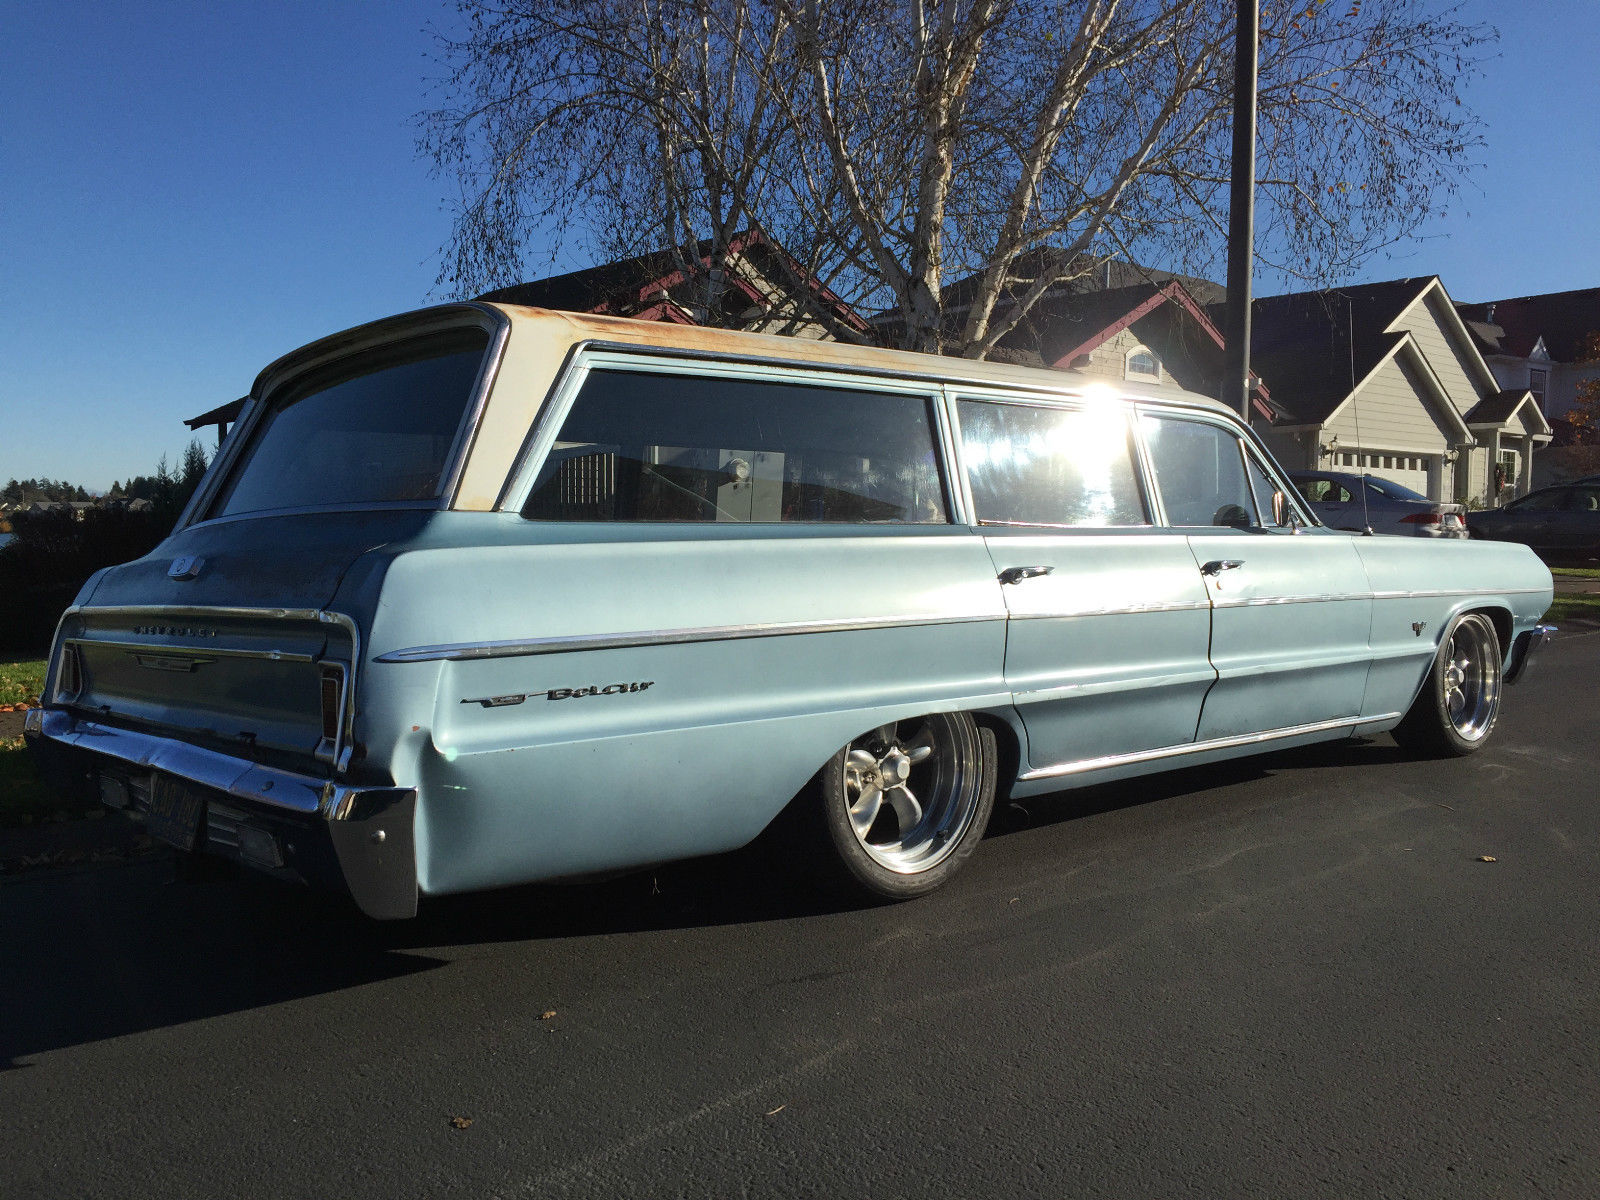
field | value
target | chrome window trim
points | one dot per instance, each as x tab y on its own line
1083	765
574	643
589	357
1262	601
469	314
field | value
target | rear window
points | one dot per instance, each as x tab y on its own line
646	447
374	428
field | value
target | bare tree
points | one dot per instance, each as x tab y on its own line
894	146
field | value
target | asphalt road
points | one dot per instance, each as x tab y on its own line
1289	978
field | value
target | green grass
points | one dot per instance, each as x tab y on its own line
20	680
1571	607
24	799
1575	572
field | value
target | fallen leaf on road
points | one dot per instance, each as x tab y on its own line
461	1122
545	1016
1487	858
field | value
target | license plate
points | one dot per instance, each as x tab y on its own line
174	813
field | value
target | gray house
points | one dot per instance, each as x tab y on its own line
1385	378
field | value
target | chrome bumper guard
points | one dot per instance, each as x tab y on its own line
365	833
1524	648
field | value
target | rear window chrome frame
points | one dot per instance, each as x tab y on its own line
330	351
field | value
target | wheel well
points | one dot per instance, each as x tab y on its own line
1501	619
1009	749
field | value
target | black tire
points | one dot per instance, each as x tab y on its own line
1456	710
894	848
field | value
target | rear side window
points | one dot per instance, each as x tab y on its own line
638	446
1060	467
374	428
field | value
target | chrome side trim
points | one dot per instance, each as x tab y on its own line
1245	739
1262	601
1127	610
569	643
1486	593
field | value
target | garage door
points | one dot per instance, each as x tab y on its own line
1408	470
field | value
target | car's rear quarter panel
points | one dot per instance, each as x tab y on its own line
730	726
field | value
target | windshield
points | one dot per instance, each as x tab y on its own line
374	428
1394	491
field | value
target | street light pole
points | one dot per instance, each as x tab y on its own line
1241	208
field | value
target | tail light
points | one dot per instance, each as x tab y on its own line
69	675
333	687
1423	518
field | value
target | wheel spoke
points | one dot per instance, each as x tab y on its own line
1456	700
864	811
885	734
860	760
906	809
921	747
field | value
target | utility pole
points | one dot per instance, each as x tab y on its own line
1241	209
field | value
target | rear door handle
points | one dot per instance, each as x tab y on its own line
1018	574
1218	565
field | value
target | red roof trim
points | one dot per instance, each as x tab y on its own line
1174	292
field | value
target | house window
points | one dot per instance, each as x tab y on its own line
1537	381
1142	364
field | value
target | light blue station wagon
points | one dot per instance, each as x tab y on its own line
483	595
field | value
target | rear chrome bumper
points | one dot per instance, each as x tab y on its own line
1524	648
279	822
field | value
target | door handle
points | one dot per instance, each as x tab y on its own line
1218	565
1018	574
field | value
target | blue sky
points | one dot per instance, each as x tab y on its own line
189	190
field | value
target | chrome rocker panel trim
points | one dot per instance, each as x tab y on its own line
370	828
1084	765
1527	644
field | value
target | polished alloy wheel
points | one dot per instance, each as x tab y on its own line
911	789
1471	679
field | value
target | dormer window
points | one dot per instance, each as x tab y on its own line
1537	381
1142	364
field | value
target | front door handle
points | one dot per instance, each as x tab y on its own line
1018	574
1218	565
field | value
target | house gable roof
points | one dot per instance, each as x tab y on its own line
1565	320
1315	349
1503	407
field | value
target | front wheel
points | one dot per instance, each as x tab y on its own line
903	806
1457	707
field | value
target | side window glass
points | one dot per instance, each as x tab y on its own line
1261	486
1585	500
1316	490
638	446
1060	467
1200	470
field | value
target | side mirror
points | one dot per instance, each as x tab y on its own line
1282	514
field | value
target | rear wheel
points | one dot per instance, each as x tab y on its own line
904	805
1456	710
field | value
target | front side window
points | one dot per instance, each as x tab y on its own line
1062	467
638	446
374	428
1200	471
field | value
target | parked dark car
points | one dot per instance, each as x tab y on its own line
1558	522
1337	497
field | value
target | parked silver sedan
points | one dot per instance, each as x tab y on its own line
1558	522
1349	501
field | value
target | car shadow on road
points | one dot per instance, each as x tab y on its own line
94	954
